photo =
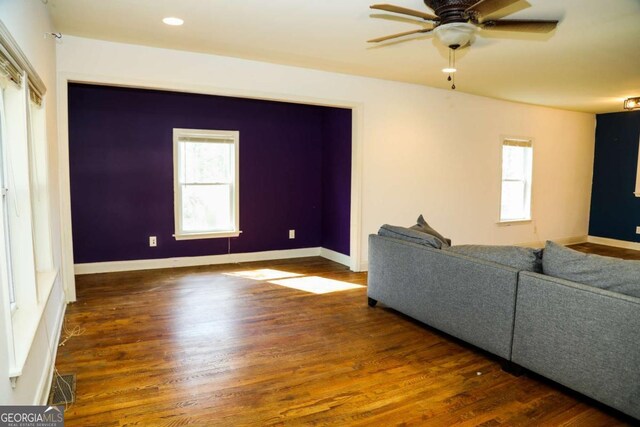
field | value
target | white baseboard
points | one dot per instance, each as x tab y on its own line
563	241
613	242
335	256
152	264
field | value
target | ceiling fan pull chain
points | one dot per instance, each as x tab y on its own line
452	66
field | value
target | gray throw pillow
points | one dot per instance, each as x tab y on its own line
520	258
409	235
612	274
423	227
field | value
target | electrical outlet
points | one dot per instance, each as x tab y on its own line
153	242
637	230
292	234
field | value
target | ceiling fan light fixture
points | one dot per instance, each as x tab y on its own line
632	103
455	33
449	70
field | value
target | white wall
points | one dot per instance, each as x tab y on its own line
424	150
28	20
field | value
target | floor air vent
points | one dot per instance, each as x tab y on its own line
63	390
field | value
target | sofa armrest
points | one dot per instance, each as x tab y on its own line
583	337
466	297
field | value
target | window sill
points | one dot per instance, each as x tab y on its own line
514	222
195	236
45	281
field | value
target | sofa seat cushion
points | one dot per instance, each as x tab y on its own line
520	258
410	235
612	274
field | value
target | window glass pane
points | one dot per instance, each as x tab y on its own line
513	162
206	162
206	208
513	200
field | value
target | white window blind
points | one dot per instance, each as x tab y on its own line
9	70
6	261
34	94
517	162
206	183
37	145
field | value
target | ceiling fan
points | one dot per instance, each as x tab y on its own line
455	22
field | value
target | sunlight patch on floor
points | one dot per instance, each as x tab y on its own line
316	285
263	274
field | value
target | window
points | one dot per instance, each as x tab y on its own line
637	192
206	183
517	159
27	273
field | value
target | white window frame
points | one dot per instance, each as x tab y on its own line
637	192
528	183
215	136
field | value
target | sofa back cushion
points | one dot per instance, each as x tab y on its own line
410	235
520	258
613	274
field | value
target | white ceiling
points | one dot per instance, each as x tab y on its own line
591	62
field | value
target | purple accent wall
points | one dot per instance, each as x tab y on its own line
336	173
121	172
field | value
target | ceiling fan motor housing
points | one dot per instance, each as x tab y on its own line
450	11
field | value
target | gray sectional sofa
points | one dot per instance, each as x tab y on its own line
583	337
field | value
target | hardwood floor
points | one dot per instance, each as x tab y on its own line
593	248
202	346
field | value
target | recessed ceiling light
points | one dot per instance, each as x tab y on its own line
173	21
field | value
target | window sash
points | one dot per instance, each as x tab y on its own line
230	206
183	162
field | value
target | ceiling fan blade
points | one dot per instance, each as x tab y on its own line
397	18
393	36
521	25
404	11
487	7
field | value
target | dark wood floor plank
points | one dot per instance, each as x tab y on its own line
199	346
593	248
